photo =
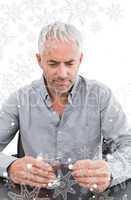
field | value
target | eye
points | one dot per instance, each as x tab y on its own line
53	64
69	64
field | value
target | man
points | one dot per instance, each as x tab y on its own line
62	115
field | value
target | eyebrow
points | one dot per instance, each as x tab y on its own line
54	61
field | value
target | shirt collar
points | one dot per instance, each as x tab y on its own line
75	87
46	96
43	88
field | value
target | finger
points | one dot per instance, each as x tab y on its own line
89	187
80	164
38	179
19	174
90	164
32	174
38	163
42	173
92	180
95	187
80	173
102	172
98	164
90	173
31	177
30	183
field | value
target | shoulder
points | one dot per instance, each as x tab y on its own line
94	86
23	92
97	92
29	88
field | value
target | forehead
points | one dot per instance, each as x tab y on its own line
59	49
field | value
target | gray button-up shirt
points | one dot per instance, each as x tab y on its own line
92	125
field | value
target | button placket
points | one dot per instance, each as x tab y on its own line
59	143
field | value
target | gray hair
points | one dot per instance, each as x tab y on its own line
59	31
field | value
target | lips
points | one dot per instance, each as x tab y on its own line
62	82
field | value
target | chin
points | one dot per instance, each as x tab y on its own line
62	91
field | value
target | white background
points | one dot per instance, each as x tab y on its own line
105	26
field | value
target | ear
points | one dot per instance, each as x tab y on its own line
81	57
38	57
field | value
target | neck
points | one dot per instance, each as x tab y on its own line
59	98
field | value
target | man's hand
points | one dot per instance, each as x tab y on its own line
92	174
31	171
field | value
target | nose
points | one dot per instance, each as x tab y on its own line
62	71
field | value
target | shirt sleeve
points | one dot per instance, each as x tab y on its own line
116	137
9	125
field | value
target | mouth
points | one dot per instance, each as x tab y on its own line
62	83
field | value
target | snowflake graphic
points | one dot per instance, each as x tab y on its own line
65	186
15	18
95	26
85	153
25	194
114	11
81	9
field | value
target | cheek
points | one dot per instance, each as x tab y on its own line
74	71
50	74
